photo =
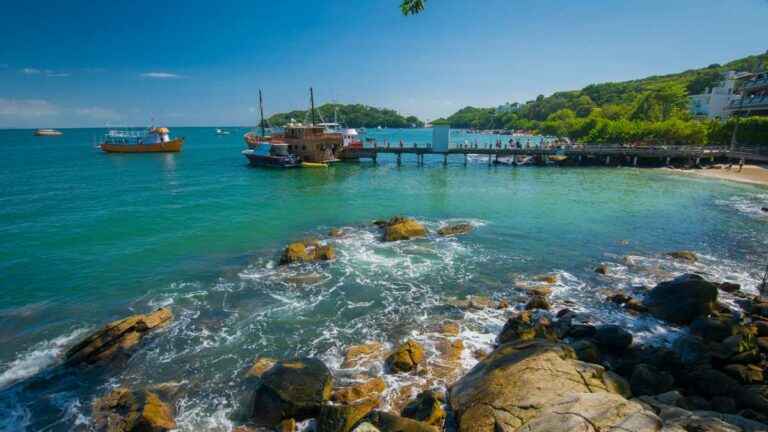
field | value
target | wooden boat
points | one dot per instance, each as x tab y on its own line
264	152
154	140
48	132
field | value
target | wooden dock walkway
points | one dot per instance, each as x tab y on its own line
575	154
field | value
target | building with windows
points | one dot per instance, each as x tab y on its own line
714	102
754	96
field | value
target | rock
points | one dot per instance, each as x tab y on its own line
291	389
426	408
747	374
741	347
386	422
759	308
540	386
503	304
406	357
682	299
361	355
287	426
261	365
548	278
647	381
714	329
124	410
307	251
602	269
473	302
729	287
613	337
692	350
537	302
399	228
450	328
452	230
523	327
762	343
762	327
117	339
370	389
336	232
586	351
579	331
723	404
366	427
683	255
627	302
765	209
343	418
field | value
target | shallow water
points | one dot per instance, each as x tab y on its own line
87	238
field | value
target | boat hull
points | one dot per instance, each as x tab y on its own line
172	146
271	161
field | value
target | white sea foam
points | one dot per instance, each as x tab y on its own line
37	358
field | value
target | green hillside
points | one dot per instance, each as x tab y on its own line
353	115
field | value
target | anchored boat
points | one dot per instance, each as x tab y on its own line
264	151
152	140
48	132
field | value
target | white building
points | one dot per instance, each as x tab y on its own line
714	101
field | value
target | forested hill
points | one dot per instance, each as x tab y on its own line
352	116
655	98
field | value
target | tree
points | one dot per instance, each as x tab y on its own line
412	7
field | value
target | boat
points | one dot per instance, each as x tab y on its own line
309	142
263	151
314	165
152	140
48	132
222	131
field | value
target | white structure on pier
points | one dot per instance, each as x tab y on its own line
713	103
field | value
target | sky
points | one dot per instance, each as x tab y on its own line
200	63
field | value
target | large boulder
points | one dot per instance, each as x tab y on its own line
427	407
307	251
683	299
124	410
524	327
536	385
291	389
406	357
613	338
399	228
453	230
117	339
369	389
343	418
386	422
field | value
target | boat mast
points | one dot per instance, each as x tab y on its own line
312	105
261	114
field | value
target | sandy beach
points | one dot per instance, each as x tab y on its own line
752	174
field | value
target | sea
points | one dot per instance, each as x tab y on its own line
87	238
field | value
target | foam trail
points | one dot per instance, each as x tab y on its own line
36	359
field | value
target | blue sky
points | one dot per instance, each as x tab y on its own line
85	63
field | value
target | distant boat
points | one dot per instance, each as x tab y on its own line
152	140
48	132
222	132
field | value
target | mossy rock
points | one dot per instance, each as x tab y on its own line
124	410
306	252
406	358
399	228
684	255
454	230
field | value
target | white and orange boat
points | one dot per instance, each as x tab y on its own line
152	140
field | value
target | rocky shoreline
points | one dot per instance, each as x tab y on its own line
551	369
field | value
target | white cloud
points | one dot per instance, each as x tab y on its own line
27	108
30	71
46	72
98	113
160	75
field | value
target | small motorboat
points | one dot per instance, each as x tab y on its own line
48	132
152	140
222	132
271	154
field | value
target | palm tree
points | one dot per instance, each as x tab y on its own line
412	7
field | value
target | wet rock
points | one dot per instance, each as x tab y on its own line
627	302
602	269
747	374
759	308
523	327
729	287
762	344
762	328
579	331
291	389
386	422
336	232
450	328
474	302
288	425
741	347
646	380
343	418
586	351
117	339
366	427
450	350
363	355
370	389
427	408
683	255
261	365
399	228
715	328
723	404
765	209
307	251
453	230
548	278
678	419
613	337
683	299
503	304
406	357
692	350
537	302
540	386
124	410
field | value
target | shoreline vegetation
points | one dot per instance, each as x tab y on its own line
549	369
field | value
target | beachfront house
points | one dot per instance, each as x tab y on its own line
754	96
714	102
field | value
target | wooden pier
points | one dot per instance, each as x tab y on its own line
568	154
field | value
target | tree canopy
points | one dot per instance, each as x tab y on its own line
353	115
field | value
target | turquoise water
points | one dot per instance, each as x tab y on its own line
86	238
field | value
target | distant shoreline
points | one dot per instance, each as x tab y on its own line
750	174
